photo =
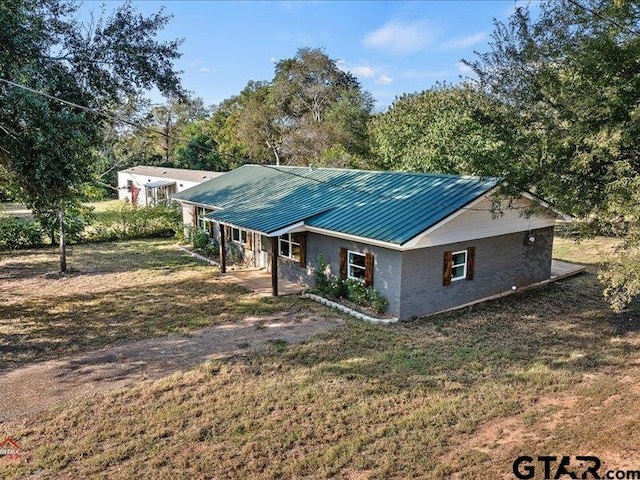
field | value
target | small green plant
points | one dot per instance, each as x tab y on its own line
200	239
234	254
349	289
321	279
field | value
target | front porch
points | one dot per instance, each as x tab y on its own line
258	280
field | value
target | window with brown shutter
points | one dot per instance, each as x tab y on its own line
368	270
303	248
343	263
471	258
458	265
448	262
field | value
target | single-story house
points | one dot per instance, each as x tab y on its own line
427	242
149	185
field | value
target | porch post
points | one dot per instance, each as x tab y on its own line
223	257
274	266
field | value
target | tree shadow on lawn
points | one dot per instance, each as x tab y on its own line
53	325
95	259
544	338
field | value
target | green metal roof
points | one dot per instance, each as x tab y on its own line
386	206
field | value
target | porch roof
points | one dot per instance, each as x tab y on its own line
159	183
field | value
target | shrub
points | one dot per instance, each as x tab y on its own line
16	233
349	289
128	221
77	219
321	279
199	239
233	254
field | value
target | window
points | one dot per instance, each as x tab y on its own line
356	265
265	243
238	235
289	246
129	185
458	265
201	222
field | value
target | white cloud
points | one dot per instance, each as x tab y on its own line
205	69
384	80
465	42
464	69
362	71
401	38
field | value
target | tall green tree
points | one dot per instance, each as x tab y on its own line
47	146
311	112
572	78
448	129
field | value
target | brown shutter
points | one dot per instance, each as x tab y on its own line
471	258
194	215
368	269
448	262
249	240
343	263
227	233
303	249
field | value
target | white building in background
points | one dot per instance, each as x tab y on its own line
148	186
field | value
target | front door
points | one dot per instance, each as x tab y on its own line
263	251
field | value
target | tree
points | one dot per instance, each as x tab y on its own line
47	146
308	113
572	78
170	120
447	129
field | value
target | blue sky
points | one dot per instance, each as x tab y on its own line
392	47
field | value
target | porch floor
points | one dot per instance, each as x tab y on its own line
258	280
560	269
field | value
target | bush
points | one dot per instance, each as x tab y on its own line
233	254
199	239
76	221
129	221
349	289
16	233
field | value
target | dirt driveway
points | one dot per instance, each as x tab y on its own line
41	386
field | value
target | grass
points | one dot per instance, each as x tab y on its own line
118	292
550	371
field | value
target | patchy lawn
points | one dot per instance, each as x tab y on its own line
118	292
550	371
15	209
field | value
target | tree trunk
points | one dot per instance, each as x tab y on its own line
63	243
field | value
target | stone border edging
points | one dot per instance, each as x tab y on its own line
198	256
347	310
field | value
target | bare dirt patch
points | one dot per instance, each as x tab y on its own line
44	385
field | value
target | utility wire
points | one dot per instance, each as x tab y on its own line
605	18
116	118
150	129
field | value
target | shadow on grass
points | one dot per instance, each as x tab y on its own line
550	336
40	325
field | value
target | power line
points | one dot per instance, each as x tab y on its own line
115	118
605	18
150	129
